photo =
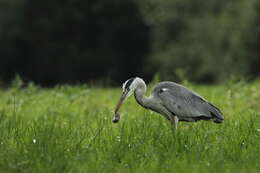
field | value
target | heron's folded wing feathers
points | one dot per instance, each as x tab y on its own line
185	103
179	104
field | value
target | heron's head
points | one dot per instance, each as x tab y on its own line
128	88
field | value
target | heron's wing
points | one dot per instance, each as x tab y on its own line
185	103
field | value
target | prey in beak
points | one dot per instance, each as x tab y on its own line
128	88
116	117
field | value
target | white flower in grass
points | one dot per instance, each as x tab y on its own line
34	141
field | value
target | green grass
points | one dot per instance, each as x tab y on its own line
69	129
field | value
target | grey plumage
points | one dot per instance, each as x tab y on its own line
185	104
172	100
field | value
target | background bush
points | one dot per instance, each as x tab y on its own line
209	40
52	42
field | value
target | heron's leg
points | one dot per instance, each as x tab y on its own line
176	120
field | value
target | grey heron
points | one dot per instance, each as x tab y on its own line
174	101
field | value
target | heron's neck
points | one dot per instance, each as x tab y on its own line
140	96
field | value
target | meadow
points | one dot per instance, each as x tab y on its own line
68	129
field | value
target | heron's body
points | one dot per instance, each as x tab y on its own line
173	101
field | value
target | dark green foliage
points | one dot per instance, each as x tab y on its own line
208	40
59	41
75	40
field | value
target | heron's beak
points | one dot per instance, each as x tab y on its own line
116	117
121	100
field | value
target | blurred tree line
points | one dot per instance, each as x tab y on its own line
58	41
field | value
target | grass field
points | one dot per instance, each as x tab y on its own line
69	129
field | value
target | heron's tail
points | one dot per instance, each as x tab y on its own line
216	114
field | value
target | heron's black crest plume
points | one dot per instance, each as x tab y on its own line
129	82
